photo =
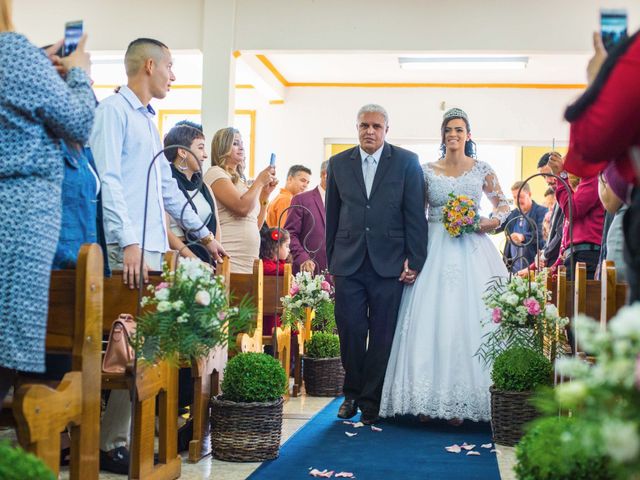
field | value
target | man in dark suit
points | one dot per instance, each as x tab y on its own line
306	227
376	243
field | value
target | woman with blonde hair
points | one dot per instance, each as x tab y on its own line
38	108
242	208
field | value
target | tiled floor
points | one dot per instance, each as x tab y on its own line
297	411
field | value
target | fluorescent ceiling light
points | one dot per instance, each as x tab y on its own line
463	63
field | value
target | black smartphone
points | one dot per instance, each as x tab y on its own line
613	27
72	35
272	160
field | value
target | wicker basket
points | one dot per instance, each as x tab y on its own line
245	432
323	377
510	411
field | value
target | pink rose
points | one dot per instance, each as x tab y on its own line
326	286
294	289
496	315
162	285
533	307
222	315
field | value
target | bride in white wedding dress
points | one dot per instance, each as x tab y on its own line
432	370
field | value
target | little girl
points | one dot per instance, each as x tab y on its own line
274	252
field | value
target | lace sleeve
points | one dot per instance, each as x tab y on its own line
492	190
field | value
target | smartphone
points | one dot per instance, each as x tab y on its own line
272	161
72	35
613	27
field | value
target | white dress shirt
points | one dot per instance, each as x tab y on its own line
124	140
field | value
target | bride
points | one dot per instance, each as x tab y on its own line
432	370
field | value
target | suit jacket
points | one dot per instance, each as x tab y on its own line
511	250
389	226
301	227
552	248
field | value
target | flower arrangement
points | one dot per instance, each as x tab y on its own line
192	314
459	215
309	291
523	318
605	396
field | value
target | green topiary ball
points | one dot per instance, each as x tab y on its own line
552	450
521	369
323	345
254	377
16	464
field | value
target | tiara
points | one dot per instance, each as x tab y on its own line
455	113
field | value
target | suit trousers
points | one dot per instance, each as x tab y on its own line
366	310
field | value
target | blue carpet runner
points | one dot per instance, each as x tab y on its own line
404	449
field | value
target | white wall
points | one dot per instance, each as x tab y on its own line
297	130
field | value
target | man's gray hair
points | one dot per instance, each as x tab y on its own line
374	108
324	165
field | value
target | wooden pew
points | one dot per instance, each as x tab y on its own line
73	326
206	382
586	293
251	285
613	293
280	339
151	381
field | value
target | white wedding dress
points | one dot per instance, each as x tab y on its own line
432	369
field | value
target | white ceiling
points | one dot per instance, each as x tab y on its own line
384	68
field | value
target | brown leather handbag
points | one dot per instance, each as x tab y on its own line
119	352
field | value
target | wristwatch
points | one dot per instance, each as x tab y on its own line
563	174
207	239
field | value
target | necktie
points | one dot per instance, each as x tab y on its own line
369	173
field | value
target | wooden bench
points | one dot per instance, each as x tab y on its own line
249	285
150	381
613	293
74	326
206	382
280	339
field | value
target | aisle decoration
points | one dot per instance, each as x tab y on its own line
192	314
460	215
309	291
523	317
604	397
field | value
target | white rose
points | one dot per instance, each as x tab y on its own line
164	306
513	299
177	305
162	294
203	298
626	323
621	440
184	318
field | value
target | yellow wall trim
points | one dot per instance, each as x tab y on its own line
265	61
236	53
252	151
546	86
276	102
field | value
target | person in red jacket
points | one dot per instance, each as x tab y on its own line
274	252
605	128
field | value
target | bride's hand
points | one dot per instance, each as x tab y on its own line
487	225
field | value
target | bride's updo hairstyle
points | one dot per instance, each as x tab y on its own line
451	114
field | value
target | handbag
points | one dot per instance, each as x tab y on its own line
119	352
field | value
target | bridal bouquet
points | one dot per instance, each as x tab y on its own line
459	215
192	314
309	291
524	318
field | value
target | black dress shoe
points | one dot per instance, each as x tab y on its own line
115	461
348	409
369	418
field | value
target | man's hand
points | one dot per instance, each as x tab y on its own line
308	266
524	273
556	163
408	276
599	56
132	254
517	238
216	250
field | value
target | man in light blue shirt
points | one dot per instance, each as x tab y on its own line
124	141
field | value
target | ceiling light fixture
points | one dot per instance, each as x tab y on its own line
463	63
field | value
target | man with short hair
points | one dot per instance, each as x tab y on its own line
298	179
524	239
376	242
124	141
306	227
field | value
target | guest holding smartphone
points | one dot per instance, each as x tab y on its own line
38	108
